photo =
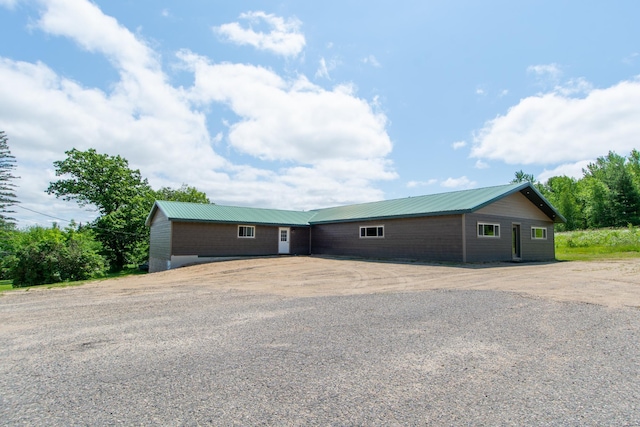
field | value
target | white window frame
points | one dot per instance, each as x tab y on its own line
534	234
378	228
247	227
482	225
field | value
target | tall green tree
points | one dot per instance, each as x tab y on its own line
121	196
562	192
622	198
7	187
520	176
183	194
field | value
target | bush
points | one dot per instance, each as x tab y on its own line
46	256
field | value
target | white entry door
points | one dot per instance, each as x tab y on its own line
283	242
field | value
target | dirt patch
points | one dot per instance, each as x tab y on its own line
613	283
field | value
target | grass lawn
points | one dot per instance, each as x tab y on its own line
5	285
586	245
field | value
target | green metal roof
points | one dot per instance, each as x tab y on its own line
456	202
453	203
201	212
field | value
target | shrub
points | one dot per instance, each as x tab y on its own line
44	256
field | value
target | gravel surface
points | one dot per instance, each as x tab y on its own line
197	355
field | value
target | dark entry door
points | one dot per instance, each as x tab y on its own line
516	254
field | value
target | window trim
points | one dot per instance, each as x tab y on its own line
488	236
248	227
544	232
378	228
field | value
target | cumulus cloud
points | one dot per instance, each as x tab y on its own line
416	184
460	183
481	165
546	71
555	127
573	170
459	144
290	120
283	38
318	147
372	60
325	67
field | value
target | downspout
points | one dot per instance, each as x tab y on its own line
310	236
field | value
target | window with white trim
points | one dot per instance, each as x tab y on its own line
376	231
488	230
246	231
539	233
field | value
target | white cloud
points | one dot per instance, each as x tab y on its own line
416	184
554	128
325	67
165	12
323	71
290	120
503	92
459	144
573	170
577	86
546	71
371	60
463	182
284	36
480	91
481	165
8	3
321	147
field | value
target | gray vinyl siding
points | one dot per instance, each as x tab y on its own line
159	242
487	249
437	238
299	244
221	240
537	249
515	206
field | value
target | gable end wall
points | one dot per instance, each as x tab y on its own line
159	242
487	249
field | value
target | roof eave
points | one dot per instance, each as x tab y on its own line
215	221
387	217
154	208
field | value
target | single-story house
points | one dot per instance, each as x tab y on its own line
511	222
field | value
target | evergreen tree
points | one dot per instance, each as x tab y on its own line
7	187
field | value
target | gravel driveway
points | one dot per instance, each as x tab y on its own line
210	355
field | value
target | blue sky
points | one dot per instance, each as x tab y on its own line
300	105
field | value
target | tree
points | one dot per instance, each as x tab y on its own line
621	202
520	176
562	192
7	188
183	194
122	197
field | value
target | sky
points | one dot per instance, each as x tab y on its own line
302	105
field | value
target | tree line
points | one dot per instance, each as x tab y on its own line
607	195
117	238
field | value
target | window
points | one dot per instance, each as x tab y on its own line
377	231
488	230
246	231
538	233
